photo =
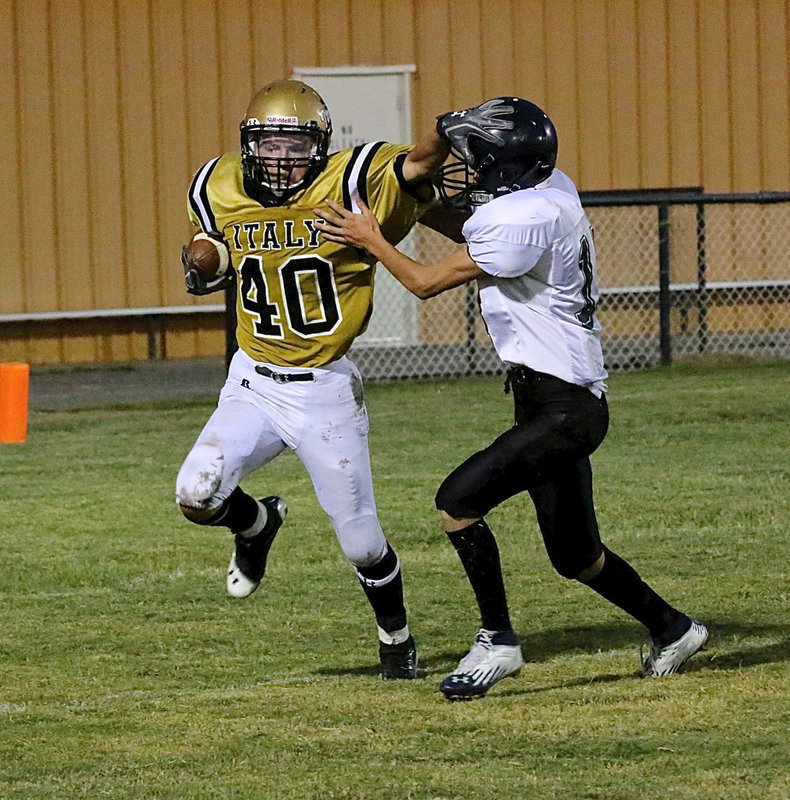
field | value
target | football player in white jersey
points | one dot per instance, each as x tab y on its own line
300	303
530	249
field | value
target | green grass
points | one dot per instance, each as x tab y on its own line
126	672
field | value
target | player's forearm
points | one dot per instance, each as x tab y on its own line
425	280
411	274
425	158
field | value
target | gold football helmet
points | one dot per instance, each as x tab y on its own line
285	138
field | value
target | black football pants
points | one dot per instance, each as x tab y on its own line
557	426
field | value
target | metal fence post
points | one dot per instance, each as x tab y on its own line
702	280
230	324
664	296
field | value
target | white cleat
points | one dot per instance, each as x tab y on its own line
670	659
494	655
238	584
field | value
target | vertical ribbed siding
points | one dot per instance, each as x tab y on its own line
773	83
109	107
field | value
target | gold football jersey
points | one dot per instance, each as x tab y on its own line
301	300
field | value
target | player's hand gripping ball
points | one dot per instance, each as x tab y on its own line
206	262
208	256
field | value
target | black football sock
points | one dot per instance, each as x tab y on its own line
383	586
479	554
620	584
239	512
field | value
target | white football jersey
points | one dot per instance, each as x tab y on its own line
539	295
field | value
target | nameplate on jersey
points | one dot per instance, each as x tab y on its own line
281	234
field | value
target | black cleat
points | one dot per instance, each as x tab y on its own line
398	661
248	564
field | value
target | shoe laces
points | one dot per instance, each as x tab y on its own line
479	650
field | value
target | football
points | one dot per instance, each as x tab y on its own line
209	257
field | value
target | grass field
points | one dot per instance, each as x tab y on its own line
128	673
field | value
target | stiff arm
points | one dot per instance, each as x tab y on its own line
362	230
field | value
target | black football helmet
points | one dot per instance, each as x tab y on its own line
290	117
512	158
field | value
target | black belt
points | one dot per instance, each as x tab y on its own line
284	377
519	375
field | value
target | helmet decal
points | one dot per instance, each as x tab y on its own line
274	119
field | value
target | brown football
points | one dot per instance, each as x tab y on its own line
208	256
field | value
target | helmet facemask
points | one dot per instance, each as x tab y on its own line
459	184
279	160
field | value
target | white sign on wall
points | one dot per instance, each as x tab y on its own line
370	104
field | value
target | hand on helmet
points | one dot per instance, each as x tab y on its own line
485	121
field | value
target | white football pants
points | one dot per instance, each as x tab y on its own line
323	421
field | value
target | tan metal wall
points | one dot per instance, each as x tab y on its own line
109	106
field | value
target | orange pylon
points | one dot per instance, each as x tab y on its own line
14	392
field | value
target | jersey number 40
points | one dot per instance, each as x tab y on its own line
314	312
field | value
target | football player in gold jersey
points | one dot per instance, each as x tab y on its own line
300	303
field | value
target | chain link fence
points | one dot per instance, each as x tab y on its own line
680	273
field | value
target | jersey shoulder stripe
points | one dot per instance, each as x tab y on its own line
355	177
198	197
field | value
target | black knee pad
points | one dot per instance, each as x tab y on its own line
450	500
569	565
